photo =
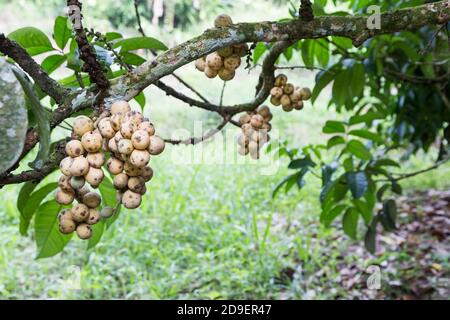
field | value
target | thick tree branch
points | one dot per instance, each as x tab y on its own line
13	50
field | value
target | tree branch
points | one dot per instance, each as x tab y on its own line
13	50
196	140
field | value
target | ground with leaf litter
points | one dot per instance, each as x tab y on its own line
413	260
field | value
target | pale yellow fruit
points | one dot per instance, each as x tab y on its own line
67	226
125	146
288	108
82	191
96	159
257	121
264	111
94	177
147	126
211	73
120	181
280	80
299	105
214	61
92	199
285	101
295	96
64	214
92	141
79	167
65	165
104	147
200	64
226	75
118	136
136	184
120	107
140	139
64	184
115	166
225	52
74	148
247	129
243	140
276	92
63	197
157	145
266	126
82	124
116	121
93	217
288	88
243	151
84	231
106	129
77	182
79	212
133	116
232	62
240	49
131	170
147	173
131	200
140	158
305	93
127	128
245	118
112	145
223	20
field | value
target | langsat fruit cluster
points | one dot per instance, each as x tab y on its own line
255	126
289	97
128	139
226	61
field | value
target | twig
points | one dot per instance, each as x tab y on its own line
138	17
221	93
196	140
187	85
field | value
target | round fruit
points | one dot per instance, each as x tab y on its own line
243	151
299	105
214	61
120	181
74	148
125	146
247	129
264	111
77	182
157	145
276	92
226	75
243	140
64	184
200	64
65	165
94	177
136	184
240	49
92	141
225	52
131	170
127	128
140	158
107	212
280	80
120	107
305	93
84	231
275	101
63	197
288	108
245	118
92	199
133	116
285	101
112	145
147	126
140	139
67	226
131	200
211	73
257	121
79	212
116	121
79	167
118	136
223	20
64	214
147	173
96	159
82	124
115	166
93	217
106	128
232	62
288	88
82	191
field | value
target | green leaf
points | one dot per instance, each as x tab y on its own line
367	118
110	36
340	91
332	126
366	134
132	58
386	163
49	240
356	148
327	217
302	163
41	116
340	188
259	51
32	39
108	192
365	210
322	52
140	98
53	62
136	43
307	50
334	141
32	204
389	215
350	222
381	191
97	233
370	239
282	183
396	188
358	80
61	32
323	79
358	184
24	194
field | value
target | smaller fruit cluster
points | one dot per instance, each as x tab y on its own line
226	61
255	126
288	96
